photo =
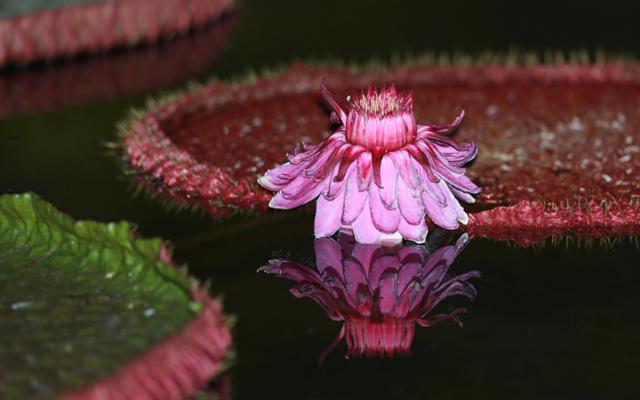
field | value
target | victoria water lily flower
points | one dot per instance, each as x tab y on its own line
380	292
380	173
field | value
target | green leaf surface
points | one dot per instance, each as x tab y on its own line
77	299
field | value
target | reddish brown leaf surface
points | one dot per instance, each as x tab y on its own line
559	146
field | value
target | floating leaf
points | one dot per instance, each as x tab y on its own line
115	75
44	30
550	136
89	311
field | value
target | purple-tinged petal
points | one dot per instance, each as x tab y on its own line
453	175
402	159
406	274
443	216
355	279
328	255
385	220
410	206
443	256
433	189
328	215
409	254
406	299
311	152
302	187
292	270
416	233
268	184
458	285
364	253
462	195
441	129
354	201
436	159
381	265
456	156
460	182
461	215
323	167
278	177
305	195
334	188
388	177
363	228
388	291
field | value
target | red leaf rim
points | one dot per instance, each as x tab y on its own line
114	75
100	26
175	368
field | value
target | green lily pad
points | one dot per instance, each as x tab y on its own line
78	300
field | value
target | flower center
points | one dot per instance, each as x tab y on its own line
378	104
381	121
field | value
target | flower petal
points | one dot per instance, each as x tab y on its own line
268	183
388	177
363	228
336	187
410	206
445	216
461	215
381	265
328	255
388	291
333	102
402	159
328	215
355	279
365	167
432	189
292	270
462	195
277	178
442	168
354	201
458	157
306	192
416	233
301	187
386	220
441	129
364	253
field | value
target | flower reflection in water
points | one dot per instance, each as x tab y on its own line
379	292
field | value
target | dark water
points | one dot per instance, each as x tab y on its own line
556	322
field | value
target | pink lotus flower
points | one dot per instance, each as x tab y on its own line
379	292
379	174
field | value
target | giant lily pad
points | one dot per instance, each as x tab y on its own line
35	30
558	142
89	311
115	75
